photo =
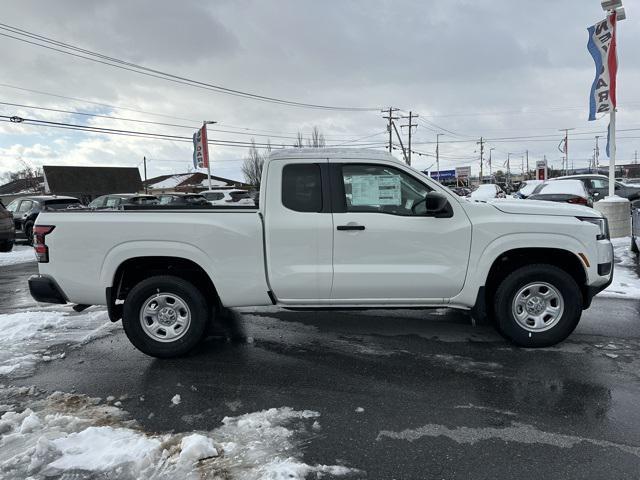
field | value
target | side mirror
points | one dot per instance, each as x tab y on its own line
434	204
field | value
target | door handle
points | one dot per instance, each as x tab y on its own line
350	227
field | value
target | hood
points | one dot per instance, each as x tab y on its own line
541	207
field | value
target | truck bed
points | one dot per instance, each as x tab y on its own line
226	242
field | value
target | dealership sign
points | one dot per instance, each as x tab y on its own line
602	47
200	148
443	174
463	172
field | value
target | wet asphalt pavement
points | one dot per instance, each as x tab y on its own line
441	399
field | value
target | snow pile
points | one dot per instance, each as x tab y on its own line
72	436
19	254
626	283
26	337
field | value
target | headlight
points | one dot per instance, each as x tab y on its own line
601	223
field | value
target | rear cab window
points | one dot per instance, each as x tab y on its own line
61	204
302	187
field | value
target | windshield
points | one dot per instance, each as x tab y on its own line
528	188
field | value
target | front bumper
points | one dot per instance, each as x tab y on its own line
45	289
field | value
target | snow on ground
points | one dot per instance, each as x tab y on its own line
28	337
626	283
73	436
19	254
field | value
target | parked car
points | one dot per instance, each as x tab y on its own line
228	197
182	199
402	240
117	200
487	191
567	191
598	187
461	191
25	211
526	188
7	229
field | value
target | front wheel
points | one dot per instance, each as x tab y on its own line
538	306
165	316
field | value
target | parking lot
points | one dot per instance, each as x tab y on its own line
361	394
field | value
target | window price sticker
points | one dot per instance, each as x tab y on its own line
376	190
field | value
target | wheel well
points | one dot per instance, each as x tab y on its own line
134	270
511	260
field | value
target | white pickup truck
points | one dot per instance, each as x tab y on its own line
333	229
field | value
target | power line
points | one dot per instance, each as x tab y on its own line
151	135
190	127
86	54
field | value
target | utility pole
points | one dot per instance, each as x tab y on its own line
144	159
527	154
410	126
404	152
490	174
508	169
566	148
481	142
390	118
635	158
597	155
438	153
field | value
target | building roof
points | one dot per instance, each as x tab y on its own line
62	179
22	185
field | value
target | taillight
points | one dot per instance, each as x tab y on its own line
42	251
578	201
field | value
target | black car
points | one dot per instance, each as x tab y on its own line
7	230
118	200
190	199
598	187
25	210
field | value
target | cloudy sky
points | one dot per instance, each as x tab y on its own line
469	68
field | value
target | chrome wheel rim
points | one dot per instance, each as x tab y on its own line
538	306
165	317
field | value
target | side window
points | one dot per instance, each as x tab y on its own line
112	202
25	206
381	189
302	187
598	183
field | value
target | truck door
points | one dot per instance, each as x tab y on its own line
383	251
298	231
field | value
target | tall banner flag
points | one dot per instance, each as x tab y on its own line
602	47
200	148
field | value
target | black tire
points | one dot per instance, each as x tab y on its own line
6	245
200	316
549	274
28	232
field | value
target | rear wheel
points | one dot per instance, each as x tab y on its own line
634	245
538	306
165	316
6	245
28	232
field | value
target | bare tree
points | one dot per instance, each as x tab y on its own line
299	141
317	139
252	165
26	172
